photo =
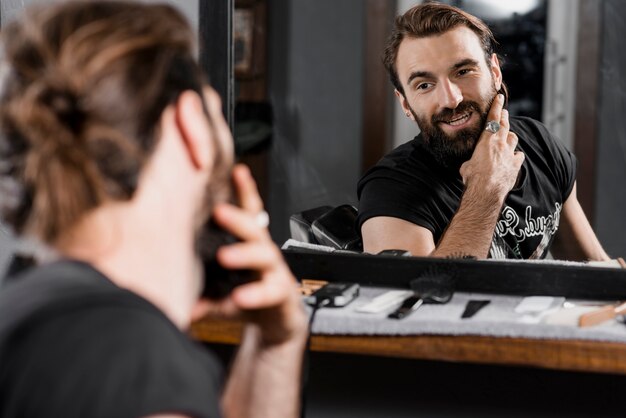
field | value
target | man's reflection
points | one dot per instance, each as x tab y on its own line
475	182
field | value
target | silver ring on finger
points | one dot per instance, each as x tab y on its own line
262	219
492	126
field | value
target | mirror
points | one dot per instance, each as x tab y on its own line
333	113
321	56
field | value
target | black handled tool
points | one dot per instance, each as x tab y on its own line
430	288
473	306
409	305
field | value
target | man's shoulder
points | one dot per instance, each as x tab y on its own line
113	360
397	164
105	341
62	273
58	286
533	134
404	157
66	298
400	153
525	127
408	165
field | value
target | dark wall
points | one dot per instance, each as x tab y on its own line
316	76
610	218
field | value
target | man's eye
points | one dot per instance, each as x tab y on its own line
422	86
464	71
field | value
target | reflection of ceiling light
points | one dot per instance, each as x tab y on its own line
500	9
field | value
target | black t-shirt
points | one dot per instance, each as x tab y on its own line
409	184
73	344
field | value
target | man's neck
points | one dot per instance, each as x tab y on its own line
158	264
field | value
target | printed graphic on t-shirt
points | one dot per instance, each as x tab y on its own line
512	229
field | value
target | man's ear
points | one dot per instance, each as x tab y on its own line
194	129
405	104
496	72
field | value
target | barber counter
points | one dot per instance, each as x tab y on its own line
518	355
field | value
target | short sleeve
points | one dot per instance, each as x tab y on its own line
409	184
388	193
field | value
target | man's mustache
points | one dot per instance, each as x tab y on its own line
448	114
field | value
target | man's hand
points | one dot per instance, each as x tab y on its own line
494	166
265	375
273	302
489	176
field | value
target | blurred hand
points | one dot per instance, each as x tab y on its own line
273	302
495	164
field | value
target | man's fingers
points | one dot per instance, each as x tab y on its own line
263	294
242	224
504	119
224	308
245	255
247	191
495	113
512	139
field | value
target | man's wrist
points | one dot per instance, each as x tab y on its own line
283	326
470	230
484	195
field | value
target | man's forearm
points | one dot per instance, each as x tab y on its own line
489	176
257	369
471	230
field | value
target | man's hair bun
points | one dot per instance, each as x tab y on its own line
65	105
83	86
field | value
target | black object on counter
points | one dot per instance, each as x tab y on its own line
473	306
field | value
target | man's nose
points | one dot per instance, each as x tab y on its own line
449	95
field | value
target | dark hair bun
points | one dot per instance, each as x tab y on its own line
81	98
65	105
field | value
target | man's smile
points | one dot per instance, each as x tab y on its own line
457	121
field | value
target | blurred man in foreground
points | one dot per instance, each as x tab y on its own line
115	154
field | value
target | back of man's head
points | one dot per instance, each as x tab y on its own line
432	19
83	86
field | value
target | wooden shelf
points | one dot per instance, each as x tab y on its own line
585	356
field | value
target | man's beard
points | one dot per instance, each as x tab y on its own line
452	151
219	189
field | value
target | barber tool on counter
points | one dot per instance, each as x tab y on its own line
430	288
601	315
473	306
334	295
